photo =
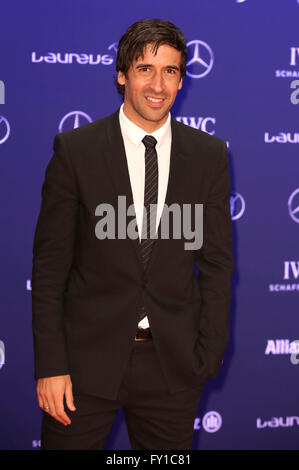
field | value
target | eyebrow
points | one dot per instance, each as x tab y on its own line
174	67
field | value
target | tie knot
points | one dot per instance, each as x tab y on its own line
149	141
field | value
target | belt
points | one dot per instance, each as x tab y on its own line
143	334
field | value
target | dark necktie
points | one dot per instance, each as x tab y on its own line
150	197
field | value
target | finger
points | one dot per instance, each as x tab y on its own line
60	412
69	398
43	402
53	411
40	401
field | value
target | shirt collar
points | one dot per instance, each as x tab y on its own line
136	134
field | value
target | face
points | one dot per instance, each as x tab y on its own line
151	86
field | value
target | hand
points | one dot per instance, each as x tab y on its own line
50	393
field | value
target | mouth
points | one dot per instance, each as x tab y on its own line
155	102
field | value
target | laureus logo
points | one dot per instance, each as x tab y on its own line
64	58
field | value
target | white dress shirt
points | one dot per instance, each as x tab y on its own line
135	153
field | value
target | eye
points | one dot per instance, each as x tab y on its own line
171	71
144	69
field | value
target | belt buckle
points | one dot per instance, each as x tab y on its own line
140	339
147	336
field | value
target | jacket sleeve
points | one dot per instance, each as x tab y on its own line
52	259
215	267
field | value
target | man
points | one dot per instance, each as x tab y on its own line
125	322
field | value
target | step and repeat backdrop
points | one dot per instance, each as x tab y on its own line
57	63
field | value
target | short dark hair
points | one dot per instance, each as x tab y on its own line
141	33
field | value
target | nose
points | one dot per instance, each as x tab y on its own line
157	82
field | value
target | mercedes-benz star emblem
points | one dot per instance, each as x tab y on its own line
4	129
202	59
293	205
73	120
237	205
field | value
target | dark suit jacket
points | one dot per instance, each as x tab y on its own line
86	292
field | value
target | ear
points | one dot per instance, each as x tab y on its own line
121	78
180	83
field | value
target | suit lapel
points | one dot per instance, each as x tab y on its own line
118	168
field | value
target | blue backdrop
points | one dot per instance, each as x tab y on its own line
57	61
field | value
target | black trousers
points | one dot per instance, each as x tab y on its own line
155	419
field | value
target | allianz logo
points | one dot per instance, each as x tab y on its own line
282	138
278	422
211	422
70	57
282	346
